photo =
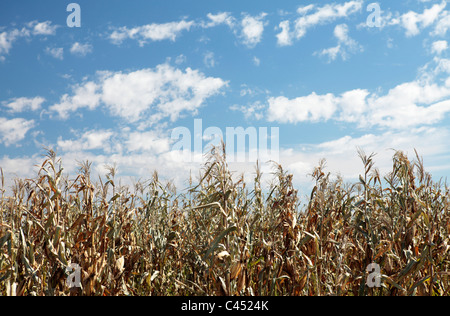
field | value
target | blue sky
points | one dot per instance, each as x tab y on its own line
112	90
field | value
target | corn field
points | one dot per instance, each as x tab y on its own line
223	236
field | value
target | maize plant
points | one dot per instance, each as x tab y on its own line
226	236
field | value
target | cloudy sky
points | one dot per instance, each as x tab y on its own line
332	76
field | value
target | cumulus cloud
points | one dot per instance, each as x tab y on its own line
81	49
434	17
209	60
400	108
219	19
256	61
34	28
153	32
424	101
21	167
135	153
90	140
165	90
413	22
55	52
321	15
14	130
43	28
252	29
85	95
180	59
342	158
442	25
149	94
254	110
7	39
284	37
149	141
439	47
305	9
18	105
309	108
346	45
249	29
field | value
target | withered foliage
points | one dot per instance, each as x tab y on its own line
224	237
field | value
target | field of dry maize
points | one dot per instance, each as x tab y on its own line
224	236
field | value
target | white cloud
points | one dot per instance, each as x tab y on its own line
219	19
253	111
353	105
180	59
342	157
136	154
81	49
209	60
443	25
438	47
345	45
305	9
85	96
284	37
21	167
310	108
43	28
14	130
134	166
400	108
256	61
147	142
252	29
409	104
322	15
7	38
166	91
413	22
442	67
91	140
149	94
332	52
425	101
153	32
390	43
246	90
18	105
249	30
56	52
